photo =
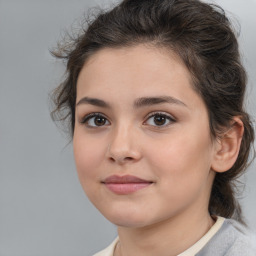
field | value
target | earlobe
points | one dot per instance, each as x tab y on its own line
227	146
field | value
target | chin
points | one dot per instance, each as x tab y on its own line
129	223
126	219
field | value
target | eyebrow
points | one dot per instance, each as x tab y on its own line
148	101
94	102
138	103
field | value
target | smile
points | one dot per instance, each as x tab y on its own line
123	185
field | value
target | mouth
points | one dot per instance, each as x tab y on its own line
123	185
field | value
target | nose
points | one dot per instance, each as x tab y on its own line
124	147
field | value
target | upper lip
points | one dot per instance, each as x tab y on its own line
125	179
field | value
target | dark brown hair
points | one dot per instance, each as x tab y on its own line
202	36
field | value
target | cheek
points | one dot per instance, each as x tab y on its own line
183	157
87	154
182	168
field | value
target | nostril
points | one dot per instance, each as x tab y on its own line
123	159
112	159
128	158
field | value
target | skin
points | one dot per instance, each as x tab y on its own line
177	157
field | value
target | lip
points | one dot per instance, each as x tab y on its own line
127	184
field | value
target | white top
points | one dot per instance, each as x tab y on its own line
109	251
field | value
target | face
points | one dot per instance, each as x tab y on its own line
142	143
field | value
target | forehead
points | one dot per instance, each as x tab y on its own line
142	65
121	76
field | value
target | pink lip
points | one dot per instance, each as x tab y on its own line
123	185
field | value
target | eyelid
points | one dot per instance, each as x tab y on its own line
87	117
171	118
160	113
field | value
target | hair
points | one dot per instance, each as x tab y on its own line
202	36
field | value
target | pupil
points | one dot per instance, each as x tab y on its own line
159	120
100	121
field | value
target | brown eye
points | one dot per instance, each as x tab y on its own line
160	120
95	120
99	120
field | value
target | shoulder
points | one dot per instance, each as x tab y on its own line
232	239
109	251
244	241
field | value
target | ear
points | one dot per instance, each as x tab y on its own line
227	146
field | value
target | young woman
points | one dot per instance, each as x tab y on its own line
154	97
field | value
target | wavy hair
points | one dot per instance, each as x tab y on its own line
202	35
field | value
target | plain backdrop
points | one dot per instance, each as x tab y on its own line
43	209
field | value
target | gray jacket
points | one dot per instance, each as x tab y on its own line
231	240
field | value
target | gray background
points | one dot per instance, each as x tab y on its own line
43	209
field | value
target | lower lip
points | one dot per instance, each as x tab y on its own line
126	188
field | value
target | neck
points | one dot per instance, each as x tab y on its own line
164	238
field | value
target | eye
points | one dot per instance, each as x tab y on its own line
160	119
95	120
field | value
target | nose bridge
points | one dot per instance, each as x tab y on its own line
121	138
122	145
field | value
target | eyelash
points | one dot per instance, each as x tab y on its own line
168	117
90	116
